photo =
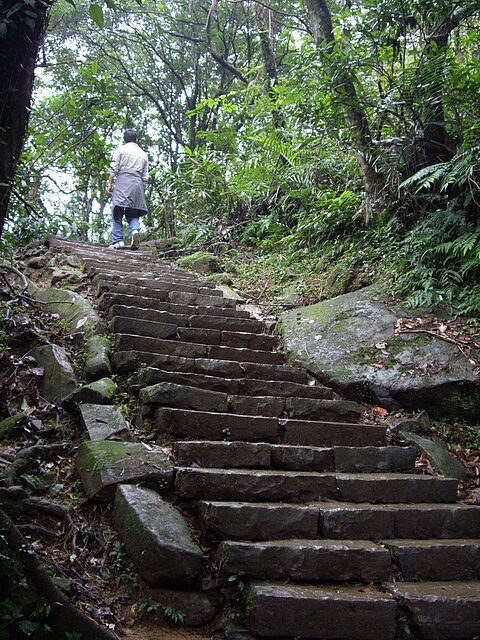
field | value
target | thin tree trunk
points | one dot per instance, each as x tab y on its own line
342	83
24	25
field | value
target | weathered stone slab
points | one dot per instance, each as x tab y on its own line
97	361
254	485
152	315
235	324
395	487
74	309
201	336
312	409
102	465
249	521
244	355
104	422
222	454
128	342
326	613
188	425
307	560
197	299
59	378
97	392
151	376
438	455
280	372
330	433
296	458
245	340
431	560
284	388
374	459
137	327
440	610
257	405
179	396
157	538
109	298
155	284
377	522
128	289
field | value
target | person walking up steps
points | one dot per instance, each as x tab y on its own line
129	169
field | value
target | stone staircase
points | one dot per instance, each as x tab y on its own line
328	531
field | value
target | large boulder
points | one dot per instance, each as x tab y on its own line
351	342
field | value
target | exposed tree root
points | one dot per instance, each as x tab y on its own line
64	617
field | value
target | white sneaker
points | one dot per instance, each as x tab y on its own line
117	245
135	241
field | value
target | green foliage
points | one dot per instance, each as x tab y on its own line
439	261
14	618
173	614
148	605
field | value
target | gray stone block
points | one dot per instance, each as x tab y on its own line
179	396
320	612
440	610
261	521
59	378
395	488
104	464
104	422
307	560
254	485
157	538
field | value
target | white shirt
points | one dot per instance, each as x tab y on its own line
130	157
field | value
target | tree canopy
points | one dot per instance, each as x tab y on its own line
300	122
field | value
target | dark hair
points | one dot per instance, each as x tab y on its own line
130	135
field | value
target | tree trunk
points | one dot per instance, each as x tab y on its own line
23	27
342	83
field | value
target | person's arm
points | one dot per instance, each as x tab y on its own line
113	171
110	185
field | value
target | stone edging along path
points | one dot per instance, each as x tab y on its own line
259	478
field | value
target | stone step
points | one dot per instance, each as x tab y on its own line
433	560
107	281
168	394
249	325
177	297
439	610
235	386
339	521
260	455
131	342
109	299
415	521
259	485
240	340
307	560
125	361
320	611
152	269
182	424
352	560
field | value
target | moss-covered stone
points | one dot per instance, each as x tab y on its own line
157	538
352	342
97	361
200	262
74	309
104	464
100	391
